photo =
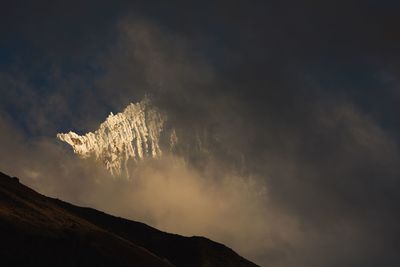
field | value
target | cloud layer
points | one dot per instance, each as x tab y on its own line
286	113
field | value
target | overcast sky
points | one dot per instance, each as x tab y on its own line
296	104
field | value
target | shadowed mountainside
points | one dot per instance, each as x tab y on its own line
40	231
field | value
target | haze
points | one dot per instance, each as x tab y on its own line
286	116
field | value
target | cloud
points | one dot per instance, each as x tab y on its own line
284	158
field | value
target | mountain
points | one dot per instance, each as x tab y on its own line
41	231
133	133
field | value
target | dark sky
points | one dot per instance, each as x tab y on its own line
303	96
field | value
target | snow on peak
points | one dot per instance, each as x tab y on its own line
133	133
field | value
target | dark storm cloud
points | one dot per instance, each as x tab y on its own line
300	95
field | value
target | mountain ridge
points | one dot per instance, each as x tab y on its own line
33	224
133	133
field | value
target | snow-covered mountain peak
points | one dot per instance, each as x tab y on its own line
133	133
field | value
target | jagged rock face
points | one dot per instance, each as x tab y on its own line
133	133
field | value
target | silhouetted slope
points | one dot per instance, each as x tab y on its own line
179	250
40	231
36	232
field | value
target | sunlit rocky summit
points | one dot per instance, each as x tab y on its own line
134	133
